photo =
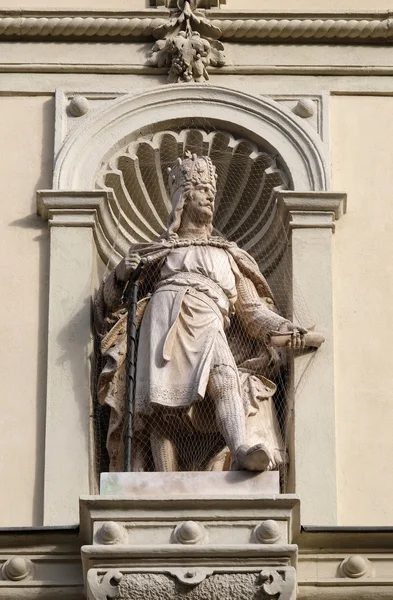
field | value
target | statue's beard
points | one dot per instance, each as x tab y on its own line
176	218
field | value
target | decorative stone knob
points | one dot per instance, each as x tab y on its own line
305	108
78	106
355	566
17	568
110	533
267	532
189	532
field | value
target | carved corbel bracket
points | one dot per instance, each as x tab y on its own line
187	44
102	587
269	584
315	210
278	584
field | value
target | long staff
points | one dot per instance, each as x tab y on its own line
131	363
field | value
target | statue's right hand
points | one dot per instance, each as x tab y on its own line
127	266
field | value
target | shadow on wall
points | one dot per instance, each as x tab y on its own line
34	222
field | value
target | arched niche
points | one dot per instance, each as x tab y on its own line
105	152
81	210
271	126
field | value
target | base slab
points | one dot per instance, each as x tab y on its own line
228	484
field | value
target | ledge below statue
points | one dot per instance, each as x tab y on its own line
200	484
199	533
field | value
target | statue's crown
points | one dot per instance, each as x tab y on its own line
191	170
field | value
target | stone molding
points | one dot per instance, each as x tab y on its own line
57	567
82	209
148	522
334	27
312	210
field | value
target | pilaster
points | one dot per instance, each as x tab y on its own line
311	218
72	220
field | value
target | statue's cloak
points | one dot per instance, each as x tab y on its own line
256	360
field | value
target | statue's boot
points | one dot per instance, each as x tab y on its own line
251	458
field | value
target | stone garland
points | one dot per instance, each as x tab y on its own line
187	45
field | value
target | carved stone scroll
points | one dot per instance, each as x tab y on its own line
103	588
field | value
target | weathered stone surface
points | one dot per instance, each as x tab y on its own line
200	484
238	586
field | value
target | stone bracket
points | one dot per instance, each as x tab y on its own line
84	208
311	209
103	587
269	583
131	546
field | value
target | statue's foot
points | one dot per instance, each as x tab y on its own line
251	458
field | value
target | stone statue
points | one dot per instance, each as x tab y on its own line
205	318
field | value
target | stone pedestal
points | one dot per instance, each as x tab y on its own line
200	484
200	534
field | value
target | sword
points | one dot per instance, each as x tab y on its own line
133	286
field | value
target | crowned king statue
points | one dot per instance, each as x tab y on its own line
205	366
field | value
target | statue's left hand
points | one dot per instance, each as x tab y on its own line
297	333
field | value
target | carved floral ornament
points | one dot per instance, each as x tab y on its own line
188	45
198	3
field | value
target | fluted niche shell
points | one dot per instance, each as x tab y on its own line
248	177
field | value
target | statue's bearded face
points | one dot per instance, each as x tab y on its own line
199	204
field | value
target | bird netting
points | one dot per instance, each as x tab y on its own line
208	377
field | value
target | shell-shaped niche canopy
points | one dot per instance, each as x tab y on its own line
245	205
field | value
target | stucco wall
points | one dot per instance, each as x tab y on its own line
362	166
363	276
26	133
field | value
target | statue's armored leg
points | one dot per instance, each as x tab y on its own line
164	452
223	389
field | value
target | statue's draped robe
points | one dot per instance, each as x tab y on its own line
181	326
198	287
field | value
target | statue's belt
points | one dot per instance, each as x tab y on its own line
198	286
201	284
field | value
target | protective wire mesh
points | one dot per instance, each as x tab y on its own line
208	380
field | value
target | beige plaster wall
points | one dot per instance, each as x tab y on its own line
308	5
298	5
361	128
26	137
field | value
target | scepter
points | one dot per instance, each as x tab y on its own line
131	363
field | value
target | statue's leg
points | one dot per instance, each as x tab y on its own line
164	452
224	389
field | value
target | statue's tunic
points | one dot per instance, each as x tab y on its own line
182	337
183	324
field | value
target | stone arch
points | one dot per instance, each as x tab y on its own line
94	154
261	120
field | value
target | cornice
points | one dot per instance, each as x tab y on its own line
314	27
237	26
